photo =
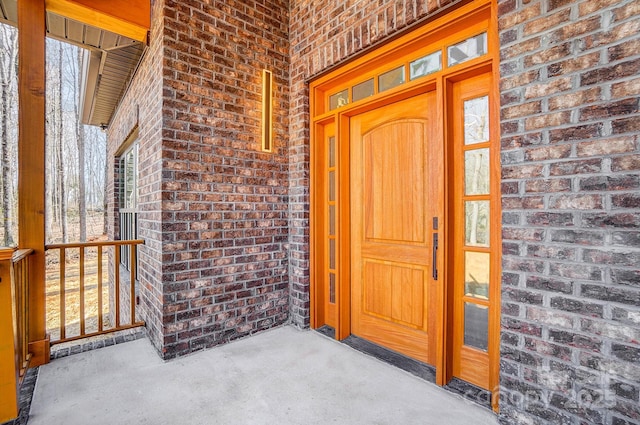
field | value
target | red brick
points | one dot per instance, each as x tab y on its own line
577	133
576	202
549	317
587	7
547	89
549	55
606	147
626	11
553	119
519	80
626	200
517	111
556	4
626	163
615	72
573	99
571	65
504	7
548	152
520	48
518	234
544	23
525	14
523	203
623	50
625	88
626	125
619	32
583	166
610	109
548	185
577	29
521	171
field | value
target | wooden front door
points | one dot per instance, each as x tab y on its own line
396	171
405	206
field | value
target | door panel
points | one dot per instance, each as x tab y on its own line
394	292
395	163
393	180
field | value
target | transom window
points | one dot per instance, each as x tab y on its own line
457	53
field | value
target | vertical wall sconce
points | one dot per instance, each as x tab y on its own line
267	113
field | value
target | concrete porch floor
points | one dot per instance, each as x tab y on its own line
282	376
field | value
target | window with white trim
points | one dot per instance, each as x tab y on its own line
128	200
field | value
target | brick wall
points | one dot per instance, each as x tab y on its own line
227	226
324	33
571	161
213	206
224	219
142	106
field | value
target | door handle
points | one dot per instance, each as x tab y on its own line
434	260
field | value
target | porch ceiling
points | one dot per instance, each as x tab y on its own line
108	64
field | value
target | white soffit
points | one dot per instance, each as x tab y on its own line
109	61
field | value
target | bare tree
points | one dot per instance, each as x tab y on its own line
9	49
80	141
75	157
60	170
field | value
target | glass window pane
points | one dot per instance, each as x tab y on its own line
425	65
362	90
476	120
121	182
332	186
476	223
339	99
476	274
466	50
476	172
332	254
476	326
332	151
391	79
130	189
332	220
332	288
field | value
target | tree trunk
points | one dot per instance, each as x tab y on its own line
6	178
61	163
7	70
80	140
82	200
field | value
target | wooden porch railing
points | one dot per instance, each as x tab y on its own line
20	285
14	325
71	297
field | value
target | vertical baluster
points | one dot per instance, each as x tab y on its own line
82	315
132	279
100	324
19	302
63	293
20	281
116	294
25	311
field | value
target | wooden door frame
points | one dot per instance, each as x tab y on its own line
464	21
